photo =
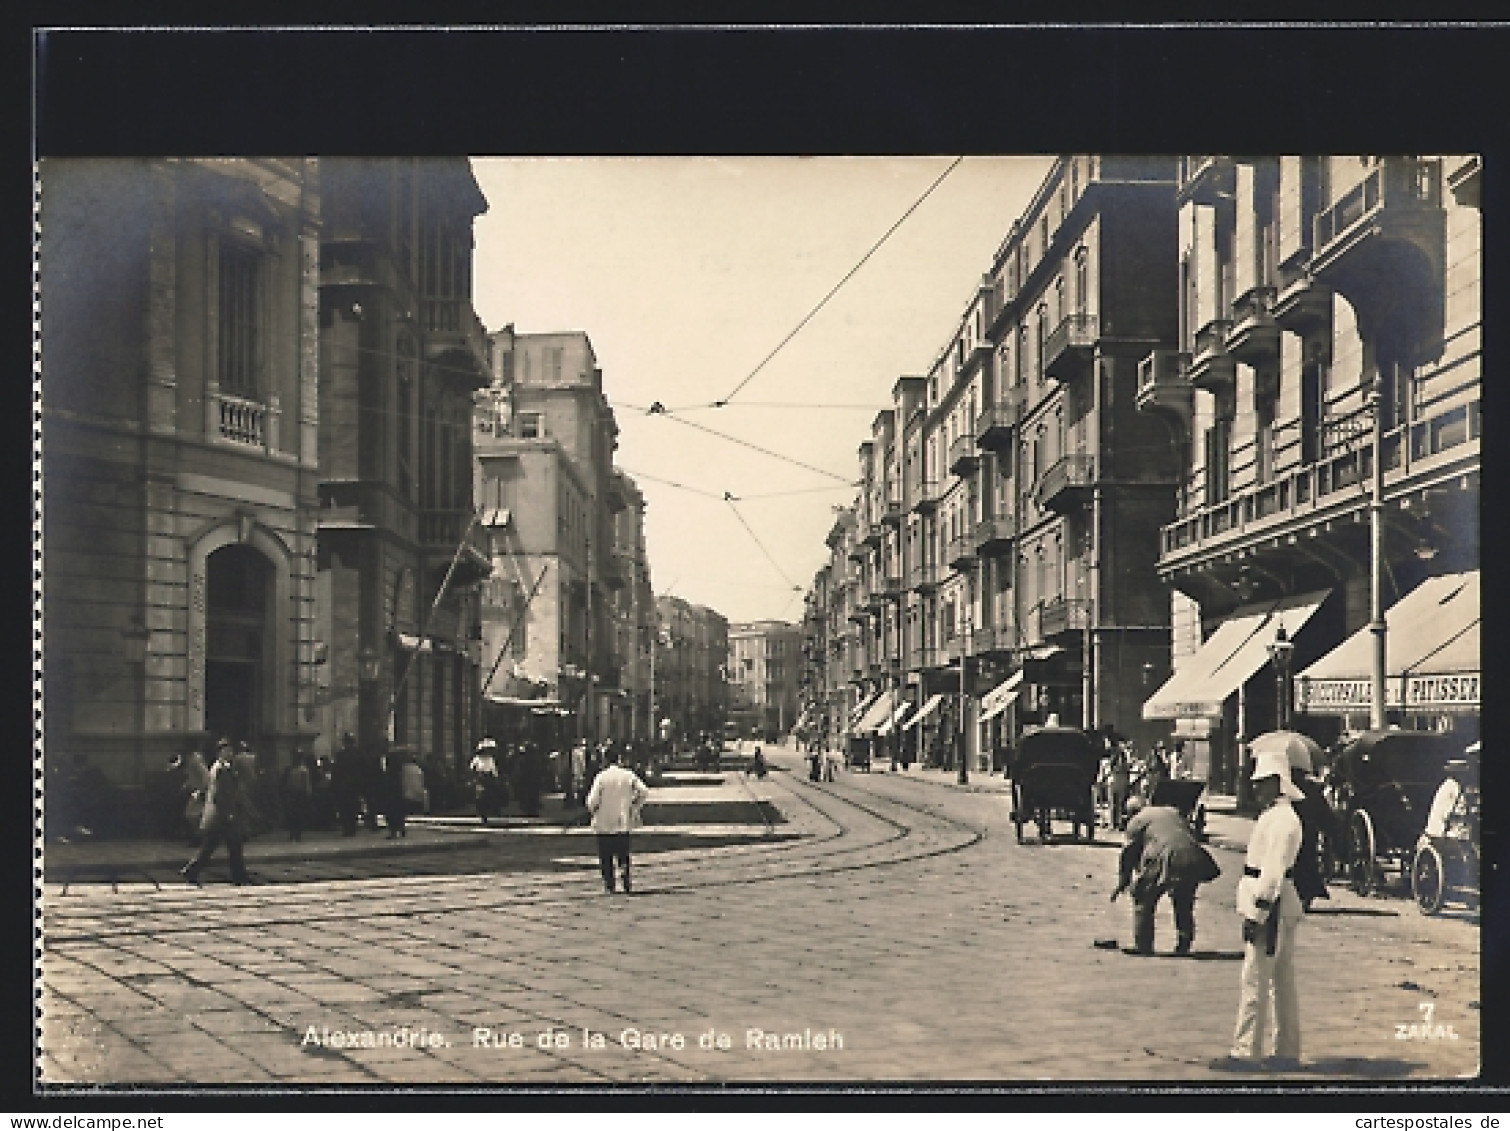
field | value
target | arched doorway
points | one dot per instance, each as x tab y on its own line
239	642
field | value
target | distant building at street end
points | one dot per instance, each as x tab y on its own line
765	668
691	666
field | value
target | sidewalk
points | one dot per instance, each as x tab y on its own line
684	803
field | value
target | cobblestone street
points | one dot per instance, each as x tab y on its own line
893	931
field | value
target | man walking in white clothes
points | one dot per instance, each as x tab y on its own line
1271	911
615	800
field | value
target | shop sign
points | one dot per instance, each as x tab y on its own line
1442	692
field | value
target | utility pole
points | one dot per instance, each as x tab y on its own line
964	664
589	724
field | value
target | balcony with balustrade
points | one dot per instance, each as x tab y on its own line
243	422
1254	336
1397	206
997	641
450	535
1070	349
1211	367
960	552
930	493
1060	616
963	456
922	657
1067	484
994	536
994	426
452	328
924	577
1164	386
1209	179
1328	498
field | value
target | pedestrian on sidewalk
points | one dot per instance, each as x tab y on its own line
615	800
395	805
485	780
225	814
1118	785
196	785
298	795
1271	911
345	788
1169	860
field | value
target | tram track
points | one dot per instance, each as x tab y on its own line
861	835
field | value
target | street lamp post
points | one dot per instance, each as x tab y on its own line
1281	652
1376	626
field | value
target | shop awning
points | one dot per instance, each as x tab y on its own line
1431	652
860	712
1236	650
539	706
882	707
1002	696
923	712
896	716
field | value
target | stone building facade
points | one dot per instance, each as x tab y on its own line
180	457
401	549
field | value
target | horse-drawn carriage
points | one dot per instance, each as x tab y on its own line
1054	778
1384	782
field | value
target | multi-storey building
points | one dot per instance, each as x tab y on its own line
839	636
764	666
691	664
1330	322
1028	489
813	690
634	615
179	415
563	553
1083	288
401	548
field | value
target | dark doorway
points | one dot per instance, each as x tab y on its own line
231	699
239	599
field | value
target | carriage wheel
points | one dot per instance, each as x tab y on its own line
1363	874
1428	880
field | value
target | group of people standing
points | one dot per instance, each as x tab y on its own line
232	799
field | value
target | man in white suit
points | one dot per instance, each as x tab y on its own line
615	800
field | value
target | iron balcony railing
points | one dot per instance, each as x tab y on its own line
1070	474
1059	615
1340	477
1398	182
1075	335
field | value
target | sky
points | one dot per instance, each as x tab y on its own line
686	273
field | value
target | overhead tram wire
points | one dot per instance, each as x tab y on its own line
848	275
645	475
753	447
728	498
